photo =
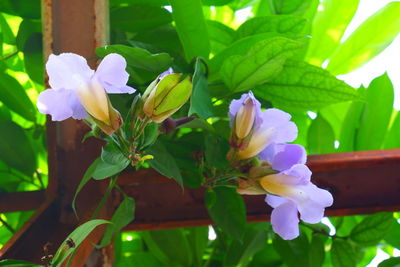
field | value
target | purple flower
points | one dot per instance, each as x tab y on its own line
275	127
291	191
77	90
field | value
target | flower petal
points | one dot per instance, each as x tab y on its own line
60	104
112	75
274	201
165	73
284	129
236	104
284	156
285	221
312	210
67	71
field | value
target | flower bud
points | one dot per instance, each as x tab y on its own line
165	96
244	119
249	187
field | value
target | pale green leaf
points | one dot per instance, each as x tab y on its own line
342	254
321	137
367	41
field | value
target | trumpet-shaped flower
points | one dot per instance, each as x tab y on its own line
291	191
275	127
78	91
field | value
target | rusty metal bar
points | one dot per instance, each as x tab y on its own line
21	201
361	182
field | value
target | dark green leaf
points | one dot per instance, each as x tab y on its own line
139	18
367	41
267	257
191	28
391	262
317	250
150	135
138	58
26	29
321	137
216	149
124	215
376	114
290	6
240	252
33	58
342	254
197	238
25	9
77	236
372	229
164	162
393	236
15	148
169	246
227	209
221	36
216	2
200	101
300	85
283	24
261	64
15	98
104	170
332	18
293	252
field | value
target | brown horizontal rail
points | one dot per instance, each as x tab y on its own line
361	183
22	201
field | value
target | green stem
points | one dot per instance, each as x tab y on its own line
105	197
9	55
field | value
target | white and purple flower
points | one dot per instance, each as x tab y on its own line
78	91
282	175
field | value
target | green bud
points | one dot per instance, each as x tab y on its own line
164	97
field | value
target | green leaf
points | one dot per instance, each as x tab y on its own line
262	63
372	229
169	246
191	28
85	179
200	101
293	252
376	114
197	238
226	208
221	36
391	262
112	162
300	85
328	27
164	162
137	57
321	138
392	237
283	24
240	47
8	35
240	252
290	6
367	41
124	215
351	125
77	236
342	254
139	18
16	149
317	250
18	263
392	139
25	9
13	95
216	149
33	58
26	29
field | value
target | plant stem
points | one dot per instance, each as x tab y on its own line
105	197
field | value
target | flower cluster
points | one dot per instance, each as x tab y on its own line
281	173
